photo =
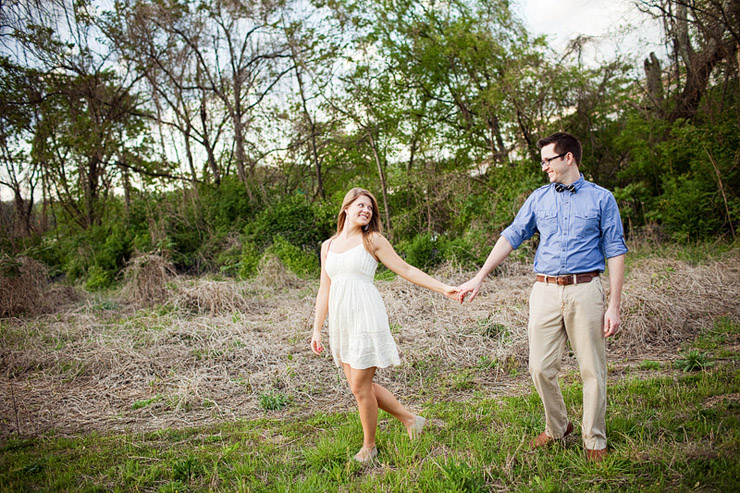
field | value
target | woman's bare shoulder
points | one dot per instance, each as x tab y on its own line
376	236
325	245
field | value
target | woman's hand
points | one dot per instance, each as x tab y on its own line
451	292
316	346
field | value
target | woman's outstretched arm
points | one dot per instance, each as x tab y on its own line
384	251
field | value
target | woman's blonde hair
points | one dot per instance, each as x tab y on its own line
371	227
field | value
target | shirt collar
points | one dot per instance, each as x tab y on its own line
578	183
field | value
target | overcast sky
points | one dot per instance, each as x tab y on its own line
617	25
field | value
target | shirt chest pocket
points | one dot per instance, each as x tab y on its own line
586	222
547	222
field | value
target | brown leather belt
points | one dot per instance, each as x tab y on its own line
569	279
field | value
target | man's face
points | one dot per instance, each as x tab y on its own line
553	163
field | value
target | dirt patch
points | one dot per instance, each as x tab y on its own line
723	400
225	350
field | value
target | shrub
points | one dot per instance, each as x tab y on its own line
468	251
298	260
424	251
249	260
98	278
299	222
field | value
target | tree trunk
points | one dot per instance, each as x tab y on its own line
697	78
212	164
383	186
654	77
238	123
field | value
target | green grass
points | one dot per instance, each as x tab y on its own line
671	430
679	432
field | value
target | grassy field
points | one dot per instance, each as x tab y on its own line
105	395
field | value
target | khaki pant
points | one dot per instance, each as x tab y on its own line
575	313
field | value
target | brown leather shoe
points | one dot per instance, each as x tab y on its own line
545	439
596	455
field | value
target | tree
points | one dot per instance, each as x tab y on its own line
20	92
703	34
87	120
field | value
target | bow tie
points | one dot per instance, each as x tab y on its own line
559	187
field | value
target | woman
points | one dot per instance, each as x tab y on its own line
359	335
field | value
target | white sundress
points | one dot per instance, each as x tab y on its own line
359	334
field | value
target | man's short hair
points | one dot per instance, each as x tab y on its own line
564	142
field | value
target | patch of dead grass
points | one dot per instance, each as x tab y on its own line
23	282
145	279
222	344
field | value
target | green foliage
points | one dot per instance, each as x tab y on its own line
292	229
187	469
10	267
249	260
457	475
649	365
293	218
693	360
683	174
427	251
227	207
450	112
146	402
302	262
423	251
273	400
98	278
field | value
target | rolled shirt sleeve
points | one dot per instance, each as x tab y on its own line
612	231
524	225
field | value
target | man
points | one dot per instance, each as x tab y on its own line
579	227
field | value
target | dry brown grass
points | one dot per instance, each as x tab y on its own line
667	301
209	352
271	272
22	286
202	296
145	279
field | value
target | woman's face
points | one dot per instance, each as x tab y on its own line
360	211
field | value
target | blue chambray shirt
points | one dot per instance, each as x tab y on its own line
578	231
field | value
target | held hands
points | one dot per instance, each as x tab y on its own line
471	287
451	292
316	346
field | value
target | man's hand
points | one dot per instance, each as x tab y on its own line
611	321
472	287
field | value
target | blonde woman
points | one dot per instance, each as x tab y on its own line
359	336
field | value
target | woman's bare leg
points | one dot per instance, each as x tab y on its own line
384	400
361	383
388	403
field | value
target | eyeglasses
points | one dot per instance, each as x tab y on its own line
546	161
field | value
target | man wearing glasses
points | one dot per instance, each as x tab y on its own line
580	230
